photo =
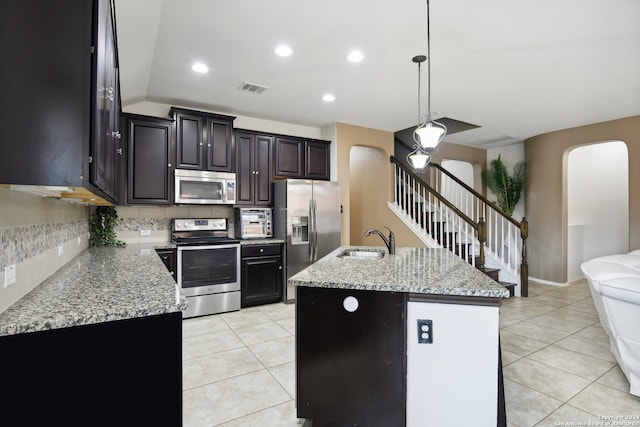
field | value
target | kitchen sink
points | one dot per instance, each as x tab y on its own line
361	253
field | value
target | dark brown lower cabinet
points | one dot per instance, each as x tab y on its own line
119	373
262	274
350	366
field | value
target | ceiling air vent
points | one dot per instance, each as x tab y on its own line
253	88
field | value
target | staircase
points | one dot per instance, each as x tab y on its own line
445	212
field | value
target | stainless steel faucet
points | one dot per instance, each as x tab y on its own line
390	242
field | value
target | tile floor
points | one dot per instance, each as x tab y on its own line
238	368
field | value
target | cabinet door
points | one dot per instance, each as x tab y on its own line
106	135
263	170
289	157
220	146
317	160
244	168
261	280
149	161
169	258
189	141
350	364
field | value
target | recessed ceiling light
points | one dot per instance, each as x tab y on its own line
283	50
328	98
199	67
355	56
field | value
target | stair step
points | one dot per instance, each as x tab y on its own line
510	287
491	272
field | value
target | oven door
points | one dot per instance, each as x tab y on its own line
208	269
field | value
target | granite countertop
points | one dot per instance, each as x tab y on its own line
260	241
99	285
415	270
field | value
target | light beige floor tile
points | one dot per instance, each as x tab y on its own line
585	306
519	344
246	317
615	378
525	311
509	357
569	415
286	376
546	379
530	328
565	313
551	299
283	415
590	347
219	366
279	311
231	399
289	325
508	320
216	342
565	325
579	364
526	407
276	352
203	325
603	400
261	333
594	332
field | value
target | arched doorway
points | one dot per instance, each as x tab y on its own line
597	203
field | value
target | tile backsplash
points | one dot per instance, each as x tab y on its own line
157	220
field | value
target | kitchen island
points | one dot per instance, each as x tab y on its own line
405	339
97	343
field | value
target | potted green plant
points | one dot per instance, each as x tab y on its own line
103	222
506	188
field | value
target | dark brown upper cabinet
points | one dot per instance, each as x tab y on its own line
150	158
254	176
204	141
301	158
60	91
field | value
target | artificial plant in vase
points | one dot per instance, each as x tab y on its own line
506	188
103	223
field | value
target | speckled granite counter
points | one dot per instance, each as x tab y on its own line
414	270
99	285
260	241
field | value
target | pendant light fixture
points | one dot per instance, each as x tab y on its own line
429	132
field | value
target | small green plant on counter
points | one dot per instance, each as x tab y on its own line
506	188
103	223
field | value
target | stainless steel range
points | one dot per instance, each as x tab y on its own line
208	265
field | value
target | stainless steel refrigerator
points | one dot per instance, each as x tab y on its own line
306	215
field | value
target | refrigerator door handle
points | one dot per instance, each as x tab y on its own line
315	229
311	228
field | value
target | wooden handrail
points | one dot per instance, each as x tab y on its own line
475	193
436	194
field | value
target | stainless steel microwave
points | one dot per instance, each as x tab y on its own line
205	188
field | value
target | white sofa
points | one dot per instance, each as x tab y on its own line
614	281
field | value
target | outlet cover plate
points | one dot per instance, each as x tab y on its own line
145	232
9	275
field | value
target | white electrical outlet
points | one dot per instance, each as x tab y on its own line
79	240
9	275
60	249
145	232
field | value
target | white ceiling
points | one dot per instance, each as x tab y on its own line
517	68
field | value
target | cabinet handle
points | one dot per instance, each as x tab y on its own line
208	145
119	150
279	267
201	144
169	165
116	134
261	250
257	172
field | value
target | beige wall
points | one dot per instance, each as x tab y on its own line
546	191
372	186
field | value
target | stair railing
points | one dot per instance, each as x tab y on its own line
502	230
437	217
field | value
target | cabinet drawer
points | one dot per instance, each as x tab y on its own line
261	250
